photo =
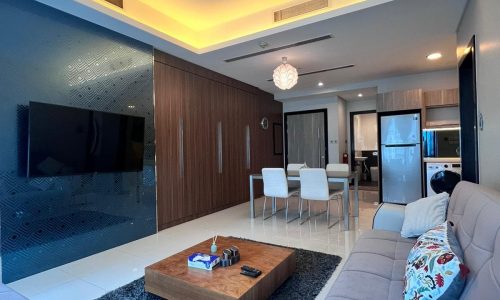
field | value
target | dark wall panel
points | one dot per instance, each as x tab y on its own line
52	57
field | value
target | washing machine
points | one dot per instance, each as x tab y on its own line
433	168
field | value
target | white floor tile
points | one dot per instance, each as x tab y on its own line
35	284
92	276
74	290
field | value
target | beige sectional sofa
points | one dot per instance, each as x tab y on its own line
375	269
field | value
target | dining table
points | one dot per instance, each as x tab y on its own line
344	177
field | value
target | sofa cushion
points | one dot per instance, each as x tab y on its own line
375	268
435	269
424	214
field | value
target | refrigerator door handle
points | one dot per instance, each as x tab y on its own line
400	145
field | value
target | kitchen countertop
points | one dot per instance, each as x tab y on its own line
442	159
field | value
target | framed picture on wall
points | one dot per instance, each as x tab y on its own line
278	138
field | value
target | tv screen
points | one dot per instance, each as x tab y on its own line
69	141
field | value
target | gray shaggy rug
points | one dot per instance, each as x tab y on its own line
312	272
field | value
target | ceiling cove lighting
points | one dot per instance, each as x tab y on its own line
320	84
285	76
434	56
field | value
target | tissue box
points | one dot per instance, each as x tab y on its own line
203	261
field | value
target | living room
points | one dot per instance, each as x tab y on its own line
139	132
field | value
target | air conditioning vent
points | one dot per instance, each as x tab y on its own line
301	43
299	9
118	3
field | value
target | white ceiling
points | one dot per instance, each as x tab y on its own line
383	41
386	40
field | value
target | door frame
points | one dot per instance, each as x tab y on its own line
351	133
305	112
472	46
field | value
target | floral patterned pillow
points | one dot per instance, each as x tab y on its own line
435	269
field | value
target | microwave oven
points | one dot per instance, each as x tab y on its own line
441	142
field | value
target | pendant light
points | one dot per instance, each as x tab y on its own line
285	75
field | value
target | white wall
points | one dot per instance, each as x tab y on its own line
447	79
365	132
336	147
353	106
331	104
482	18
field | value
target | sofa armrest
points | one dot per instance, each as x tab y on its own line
389	217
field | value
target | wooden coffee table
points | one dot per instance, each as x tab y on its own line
172	279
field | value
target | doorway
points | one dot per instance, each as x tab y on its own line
306	138
364	147
468	115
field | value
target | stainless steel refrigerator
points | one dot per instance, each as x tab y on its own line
401	158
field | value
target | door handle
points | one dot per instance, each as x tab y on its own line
247	141
181	148
219	147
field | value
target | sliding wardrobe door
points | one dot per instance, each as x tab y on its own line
198	146
169	123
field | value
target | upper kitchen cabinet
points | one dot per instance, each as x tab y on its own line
400	100
441	98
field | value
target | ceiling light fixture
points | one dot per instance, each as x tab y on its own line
360	95
263	44
320	83
434	56
285	76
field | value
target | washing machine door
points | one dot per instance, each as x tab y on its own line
444	181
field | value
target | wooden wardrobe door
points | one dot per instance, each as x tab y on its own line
198	147
168	123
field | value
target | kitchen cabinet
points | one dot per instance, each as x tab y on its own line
441	98
208	139
400	100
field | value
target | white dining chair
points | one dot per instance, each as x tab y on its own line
276	186
314	187
337	167
293	169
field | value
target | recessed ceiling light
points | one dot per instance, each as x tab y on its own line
360	95
434	56
320	83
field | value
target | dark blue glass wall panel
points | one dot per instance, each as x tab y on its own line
49	56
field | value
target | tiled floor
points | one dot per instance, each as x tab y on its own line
93	276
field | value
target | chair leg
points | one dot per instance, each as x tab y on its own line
338	211
264	208
328	213
295	218
286	210
308	212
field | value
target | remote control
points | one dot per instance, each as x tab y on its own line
251	274
250	269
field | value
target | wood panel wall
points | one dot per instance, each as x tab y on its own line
193	177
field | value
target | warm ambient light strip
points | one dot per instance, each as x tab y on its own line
197	26
441	128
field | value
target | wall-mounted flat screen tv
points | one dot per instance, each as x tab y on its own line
69	141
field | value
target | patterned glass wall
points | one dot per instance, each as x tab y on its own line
48	56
